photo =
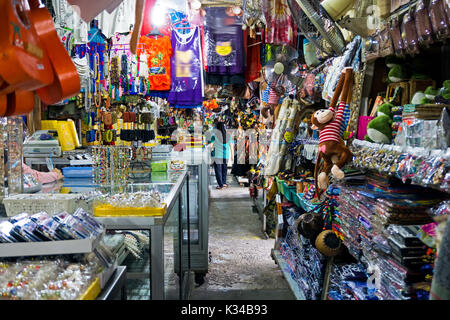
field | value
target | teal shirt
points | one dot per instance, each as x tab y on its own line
220	150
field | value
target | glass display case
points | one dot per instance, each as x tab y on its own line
162	263
195	232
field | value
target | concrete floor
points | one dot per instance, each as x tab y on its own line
241	267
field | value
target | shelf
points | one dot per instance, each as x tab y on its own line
421	152
92	292
116	283
46	248
304	204
299	201
285	269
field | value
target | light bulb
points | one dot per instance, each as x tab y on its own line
158	15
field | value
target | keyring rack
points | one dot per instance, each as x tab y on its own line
111	164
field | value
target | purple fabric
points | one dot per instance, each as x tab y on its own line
186	73
224	41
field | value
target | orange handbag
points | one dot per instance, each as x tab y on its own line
66	82
24	64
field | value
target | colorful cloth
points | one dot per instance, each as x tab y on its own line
159	52
186	69
280	27
224	43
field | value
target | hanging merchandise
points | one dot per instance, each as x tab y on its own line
186	69
66	17
280	27
158	51
111	165
223	43
253	56
120	58
120	20
351	53
96	49
331	144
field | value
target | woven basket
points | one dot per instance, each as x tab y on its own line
404	94
50	203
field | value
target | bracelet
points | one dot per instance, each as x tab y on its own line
98	135
109	136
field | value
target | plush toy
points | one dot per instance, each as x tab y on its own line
443	95
385	109
379	130
418	97
332	148
431	93
397	74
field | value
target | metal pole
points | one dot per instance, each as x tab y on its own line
326	279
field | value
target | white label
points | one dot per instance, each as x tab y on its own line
280	219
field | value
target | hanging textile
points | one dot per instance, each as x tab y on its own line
253	55
186	69
280	27
120	20
97	47
224	43
158	52
65	16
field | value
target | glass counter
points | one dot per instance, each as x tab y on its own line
166	245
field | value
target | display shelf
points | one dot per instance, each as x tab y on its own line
46	248
297	198
92	292
285	269
410	151
116	283
305	204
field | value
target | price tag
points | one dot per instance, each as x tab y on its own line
280	219
278	198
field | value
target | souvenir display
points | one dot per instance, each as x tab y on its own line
43	227
331	117
47	279
111	165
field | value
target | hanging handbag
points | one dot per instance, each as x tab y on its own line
396	36
439	19
107	119
386	47
423	24
409	33
372	48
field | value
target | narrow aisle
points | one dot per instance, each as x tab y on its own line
240	265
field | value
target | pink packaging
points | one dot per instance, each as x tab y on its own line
363	121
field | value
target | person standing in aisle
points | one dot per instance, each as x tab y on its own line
220	153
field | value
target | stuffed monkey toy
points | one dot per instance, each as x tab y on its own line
332	148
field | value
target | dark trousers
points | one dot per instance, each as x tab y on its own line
220	170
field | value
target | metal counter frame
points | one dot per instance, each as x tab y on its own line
156	227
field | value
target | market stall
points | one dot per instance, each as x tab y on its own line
334	115
356	177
